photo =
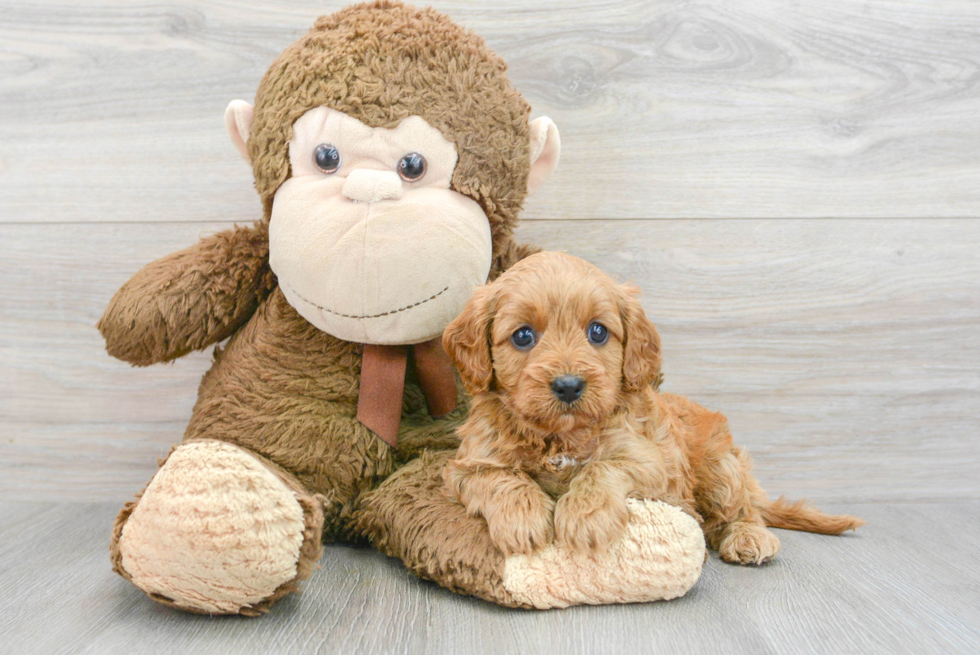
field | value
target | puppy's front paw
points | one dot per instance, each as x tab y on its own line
586	522
748	543
522	523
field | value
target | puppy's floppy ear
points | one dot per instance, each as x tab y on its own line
641	343
467	341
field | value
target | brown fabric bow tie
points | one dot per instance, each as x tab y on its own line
379	403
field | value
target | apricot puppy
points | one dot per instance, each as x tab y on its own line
565	424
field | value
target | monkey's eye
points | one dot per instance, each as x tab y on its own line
598	334
326	158
523	338
412	167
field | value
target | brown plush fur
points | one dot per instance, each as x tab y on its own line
537	468
384	62
190	299
280	388
411	517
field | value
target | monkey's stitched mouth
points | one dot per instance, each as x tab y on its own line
388	313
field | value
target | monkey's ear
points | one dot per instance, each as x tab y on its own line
545	151
467	341
641	343
238	122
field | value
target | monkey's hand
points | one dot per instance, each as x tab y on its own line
190	299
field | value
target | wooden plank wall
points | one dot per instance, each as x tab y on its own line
795	186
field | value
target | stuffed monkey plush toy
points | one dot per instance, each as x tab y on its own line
392	156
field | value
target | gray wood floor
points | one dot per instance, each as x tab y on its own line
909	582
794	185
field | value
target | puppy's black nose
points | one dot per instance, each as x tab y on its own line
568	388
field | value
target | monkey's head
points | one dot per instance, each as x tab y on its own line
392	156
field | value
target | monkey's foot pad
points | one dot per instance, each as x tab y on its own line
215	531
658	558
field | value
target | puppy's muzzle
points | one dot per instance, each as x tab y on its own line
568	388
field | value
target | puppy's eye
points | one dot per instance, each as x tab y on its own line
326	158
598	334
412	167
523	338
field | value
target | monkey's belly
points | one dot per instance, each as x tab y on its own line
288	392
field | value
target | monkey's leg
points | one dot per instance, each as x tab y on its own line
218	530
413	517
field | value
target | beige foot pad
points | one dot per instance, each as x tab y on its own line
658	558
215	531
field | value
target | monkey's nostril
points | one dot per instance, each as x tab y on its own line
568	388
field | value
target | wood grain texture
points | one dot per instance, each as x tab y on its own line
844	352
908	582
851	108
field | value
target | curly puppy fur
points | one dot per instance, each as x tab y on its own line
539	468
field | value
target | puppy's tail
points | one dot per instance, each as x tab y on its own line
803	516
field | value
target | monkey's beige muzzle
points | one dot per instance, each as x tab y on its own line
389	272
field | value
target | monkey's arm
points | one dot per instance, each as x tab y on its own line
190	299
507	253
